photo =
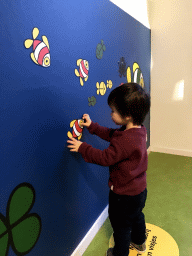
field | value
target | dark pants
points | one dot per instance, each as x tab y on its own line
127	220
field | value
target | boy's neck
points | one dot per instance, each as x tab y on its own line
130	125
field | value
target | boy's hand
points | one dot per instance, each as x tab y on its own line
87	120
75	144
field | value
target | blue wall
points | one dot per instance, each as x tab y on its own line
38	104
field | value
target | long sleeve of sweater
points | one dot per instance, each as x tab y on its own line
116	152
103	132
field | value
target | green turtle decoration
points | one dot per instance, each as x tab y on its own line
100	49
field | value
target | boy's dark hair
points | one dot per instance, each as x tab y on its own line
130	99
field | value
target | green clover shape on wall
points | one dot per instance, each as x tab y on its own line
20	229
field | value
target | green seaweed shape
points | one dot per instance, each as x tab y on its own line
20	229
100	49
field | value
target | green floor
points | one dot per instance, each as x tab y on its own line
168	205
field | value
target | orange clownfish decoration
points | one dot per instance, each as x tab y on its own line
40	54
83	70
77	129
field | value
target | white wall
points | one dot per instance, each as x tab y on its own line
171	87
171	72
136	8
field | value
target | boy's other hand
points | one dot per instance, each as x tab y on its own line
75	144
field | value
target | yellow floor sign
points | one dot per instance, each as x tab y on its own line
158	243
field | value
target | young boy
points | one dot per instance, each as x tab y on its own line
127	159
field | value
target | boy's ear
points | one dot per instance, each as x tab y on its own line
128	117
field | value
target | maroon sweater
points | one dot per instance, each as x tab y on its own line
126	157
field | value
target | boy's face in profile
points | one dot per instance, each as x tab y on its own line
116	117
